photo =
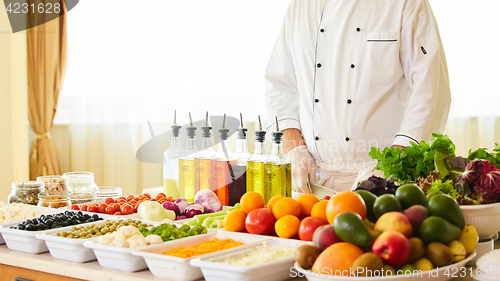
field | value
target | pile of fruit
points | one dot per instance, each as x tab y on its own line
123	205
388	235
283	216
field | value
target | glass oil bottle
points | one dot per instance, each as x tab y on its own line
171	163
222	168
256	172
186	164
203	160
279	168
239	164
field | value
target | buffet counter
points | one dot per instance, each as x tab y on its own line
44	267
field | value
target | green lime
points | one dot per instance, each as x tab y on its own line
386	203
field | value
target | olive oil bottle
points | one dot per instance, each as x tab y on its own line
256	166
203	160
280	169
171	162
186	164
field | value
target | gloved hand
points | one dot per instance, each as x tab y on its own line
303	168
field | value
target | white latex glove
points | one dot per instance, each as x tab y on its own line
303	168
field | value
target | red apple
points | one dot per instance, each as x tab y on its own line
324	236
394	221
393	247
260	221
308	226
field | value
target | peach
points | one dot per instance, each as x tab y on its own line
394	221
393	247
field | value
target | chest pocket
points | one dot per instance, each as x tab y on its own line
382	54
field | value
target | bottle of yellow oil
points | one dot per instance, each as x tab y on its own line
280	169
203	160
186	165
171	163
256	166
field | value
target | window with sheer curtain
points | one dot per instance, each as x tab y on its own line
136	61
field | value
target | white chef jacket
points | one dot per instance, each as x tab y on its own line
356	74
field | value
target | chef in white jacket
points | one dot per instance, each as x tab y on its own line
345	76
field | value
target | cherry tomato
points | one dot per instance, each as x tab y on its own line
130	197
75	207
147	195
110	210
122	198
136	207
83	207
118	214
109	200
127	209
116	207
142	197
92	208
152	199
102	208
161	194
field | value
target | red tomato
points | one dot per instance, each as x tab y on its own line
102	208
118	214
152	199
92	208
161	194
136	206
260	221
116	207
147	195
307	228
75	207
127	209
109	200
122	198
110	210
130	197
83	207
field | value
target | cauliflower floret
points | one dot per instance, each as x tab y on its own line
120	241
136	241
153	239
106	239
128	231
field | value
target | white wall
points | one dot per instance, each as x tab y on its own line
14	146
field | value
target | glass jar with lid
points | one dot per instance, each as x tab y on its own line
104	192
25	192
54	201
54	184
83	186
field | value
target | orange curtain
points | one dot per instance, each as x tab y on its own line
47	55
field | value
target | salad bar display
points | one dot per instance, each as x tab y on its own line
416	220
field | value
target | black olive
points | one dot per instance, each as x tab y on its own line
80	213
87	216
95	217
90	220
28	222
42	217
20	227
65	223
67	212
30	227
63	217
49	222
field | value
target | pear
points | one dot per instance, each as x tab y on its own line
458	250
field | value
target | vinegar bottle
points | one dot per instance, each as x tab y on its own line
256	173
222	167
171	163
280	168
202	160
240	159
186	165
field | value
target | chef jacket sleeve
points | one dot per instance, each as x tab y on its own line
282	94
424	66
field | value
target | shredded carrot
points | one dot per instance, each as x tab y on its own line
206	247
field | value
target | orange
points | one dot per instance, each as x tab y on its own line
338	258
286	206
345	201
252	200
287	226
319	210
273	201
306	202
235	220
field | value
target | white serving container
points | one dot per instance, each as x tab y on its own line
277	270
485	218
26	241
43	210
440	274
175	268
